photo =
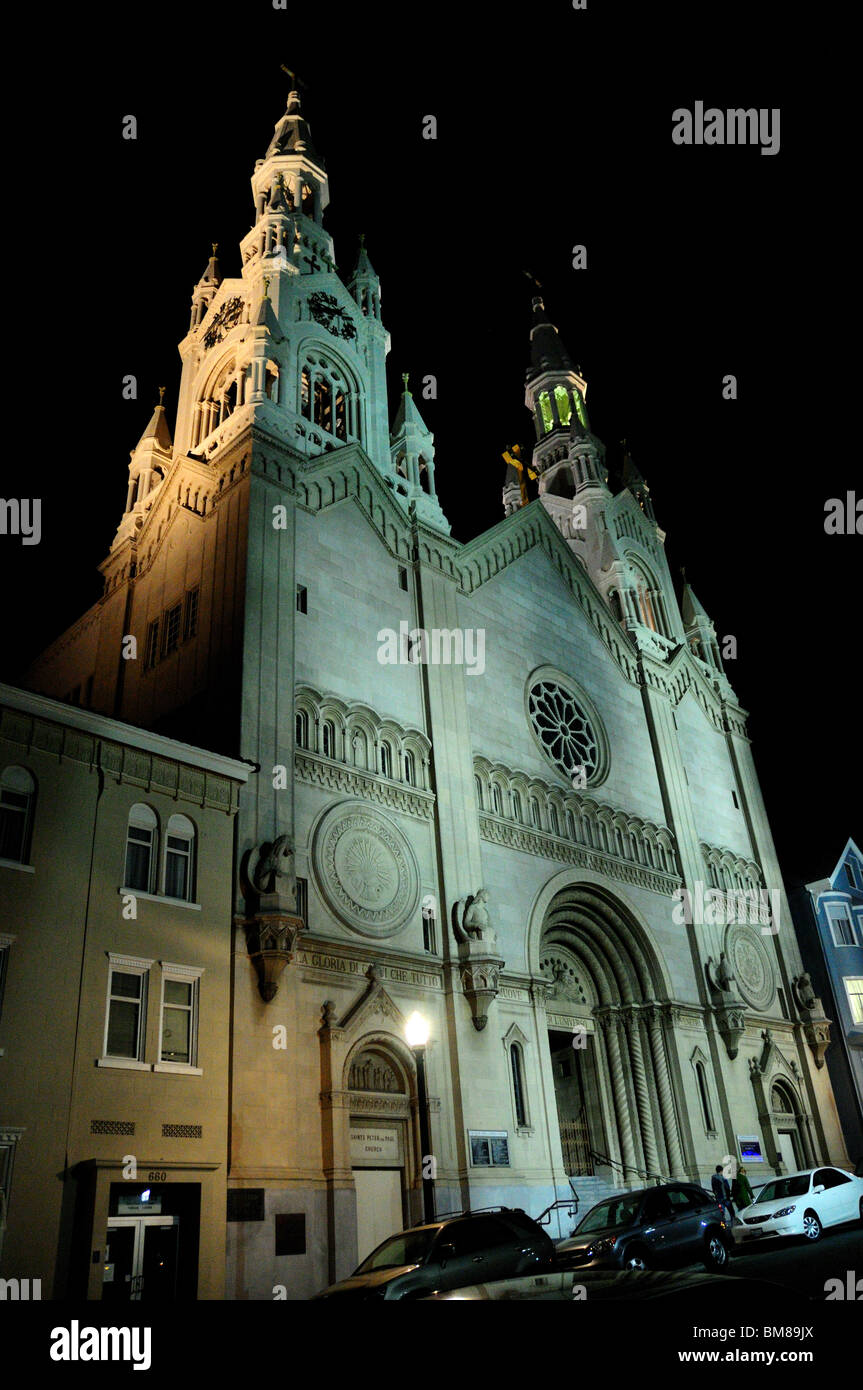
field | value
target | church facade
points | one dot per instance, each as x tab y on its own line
503	784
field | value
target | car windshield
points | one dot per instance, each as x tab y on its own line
795	1186
615	1214
407	1248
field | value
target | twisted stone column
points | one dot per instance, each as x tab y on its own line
642	1094
609	1023
666	1099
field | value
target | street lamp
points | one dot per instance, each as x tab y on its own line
417	1034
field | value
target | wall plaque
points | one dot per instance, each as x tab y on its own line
375	1146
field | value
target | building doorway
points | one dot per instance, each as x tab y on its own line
576	1092
141	1259
379	1207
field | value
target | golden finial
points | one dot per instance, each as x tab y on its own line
215	246
161	394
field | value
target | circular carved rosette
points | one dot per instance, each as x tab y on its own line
750	966
365	869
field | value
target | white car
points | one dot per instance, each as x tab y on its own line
802	1204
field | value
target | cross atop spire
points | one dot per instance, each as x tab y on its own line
406	376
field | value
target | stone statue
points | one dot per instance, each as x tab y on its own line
807	999
271	869
719	975
470	919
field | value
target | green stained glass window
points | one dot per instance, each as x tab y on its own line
564	404
546	412
579	408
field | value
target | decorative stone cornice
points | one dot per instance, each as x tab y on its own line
144	760
316	770
538	842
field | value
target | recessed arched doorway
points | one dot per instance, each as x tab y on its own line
379	1088
790	1143
617	1105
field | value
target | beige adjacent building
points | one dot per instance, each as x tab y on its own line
116	848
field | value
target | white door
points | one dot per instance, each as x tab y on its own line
379	1207
786	1152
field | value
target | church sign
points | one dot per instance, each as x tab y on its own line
378	1147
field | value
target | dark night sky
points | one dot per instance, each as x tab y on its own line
554	128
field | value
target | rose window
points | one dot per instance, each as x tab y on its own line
567	735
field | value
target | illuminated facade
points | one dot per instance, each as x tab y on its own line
486	771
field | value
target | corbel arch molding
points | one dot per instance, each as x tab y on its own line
619	905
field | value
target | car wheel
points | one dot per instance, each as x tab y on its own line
715	1252
636	1258
811	1225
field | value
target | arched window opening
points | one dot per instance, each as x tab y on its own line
564	404
271	383
424	475
534	814
17	802
141	836
401	466
328	739
553	823
479	798
341	416
306	394
386	761
308	203
180	859
323	404
498	800
410	769
516	806
301	729
518	1084
546	413
706	1113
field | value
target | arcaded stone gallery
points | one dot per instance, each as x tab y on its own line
504	784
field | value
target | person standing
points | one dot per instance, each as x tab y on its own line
741	1190
722	1192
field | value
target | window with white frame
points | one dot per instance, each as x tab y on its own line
17	802
854	990
180	859
126	1012
141	846
841	924
852	872
178	1022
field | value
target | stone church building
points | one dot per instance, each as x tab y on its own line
504	784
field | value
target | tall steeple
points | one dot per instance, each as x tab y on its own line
555	391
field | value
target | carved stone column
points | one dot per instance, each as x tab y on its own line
642	1094
666	1096
609	1022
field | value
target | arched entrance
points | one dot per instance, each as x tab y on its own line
378	1088
618	1088
785	1117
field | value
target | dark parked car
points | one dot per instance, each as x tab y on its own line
673	1224
465	1249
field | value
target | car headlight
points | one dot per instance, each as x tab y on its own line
786	1211
602	1246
